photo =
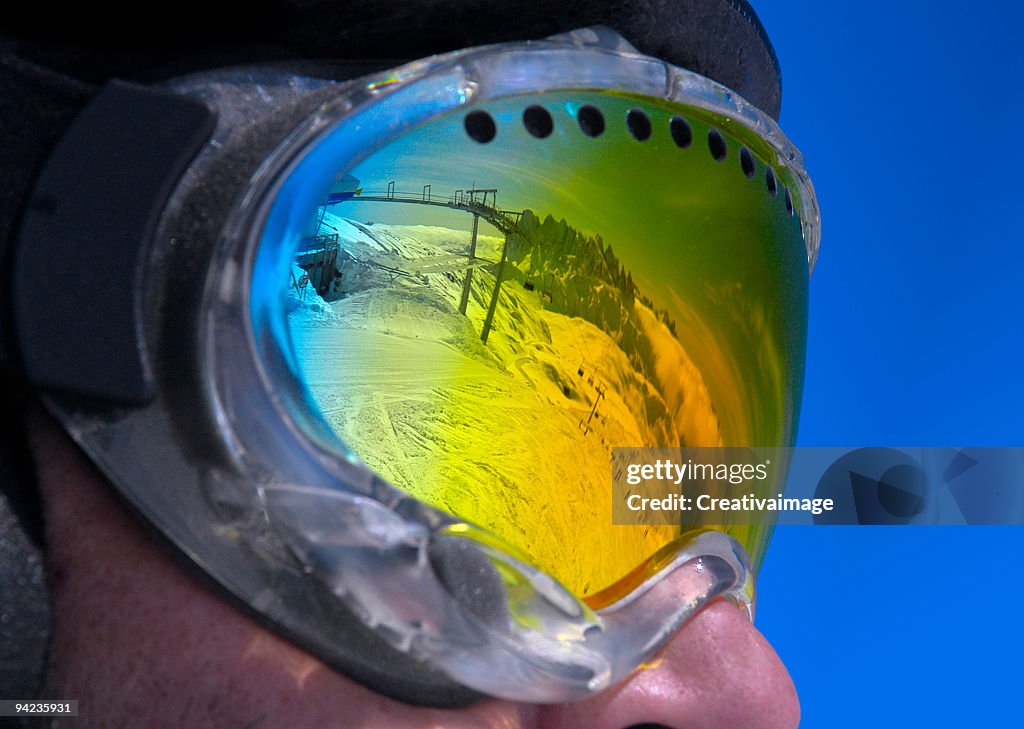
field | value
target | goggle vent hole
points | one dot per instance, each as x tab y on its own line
538	122
747	163
591	120
480	126
717	145
639	125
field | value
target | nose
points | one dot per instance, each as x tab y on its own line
717	672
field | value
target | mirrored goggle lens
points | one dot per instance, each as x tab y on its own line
486	306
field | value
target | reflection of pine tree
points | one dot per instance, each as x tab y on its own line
609	258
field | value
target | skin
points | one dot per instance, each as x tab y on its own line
138	643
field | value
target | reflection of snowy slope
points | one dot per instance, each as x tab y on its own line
487	432
362	248
581	276
406	241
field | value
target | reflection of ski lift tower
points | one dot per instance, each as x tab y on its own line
585	424
475	198
600	388
469	271
497	290
482	203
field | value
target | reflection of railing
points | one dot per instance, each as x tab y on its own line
476	196
479	201
317	243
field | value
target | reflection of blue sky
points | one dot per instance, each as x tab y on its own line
566	175
591	183
441	155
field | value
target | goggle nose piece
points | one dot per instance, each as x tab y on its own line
479	606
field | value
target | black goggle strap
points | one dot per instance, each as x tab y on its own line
85	177
92	210
36	105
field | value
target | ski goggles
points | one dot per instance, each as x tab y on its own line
366	353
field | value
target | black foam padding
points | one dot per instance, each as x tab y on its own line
721	39
470	577
85	227
36	105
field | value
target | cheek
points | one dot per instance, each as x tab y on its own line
141	644
173	655
134	637
161	644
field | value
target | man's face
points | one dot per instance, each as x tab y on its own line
139	643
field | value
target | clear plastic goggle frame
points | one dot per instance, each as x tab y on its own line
300	515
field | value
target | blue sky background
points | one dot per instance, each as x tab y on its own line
908	115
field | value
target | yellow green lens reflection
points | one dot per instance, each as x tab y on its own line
482	323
